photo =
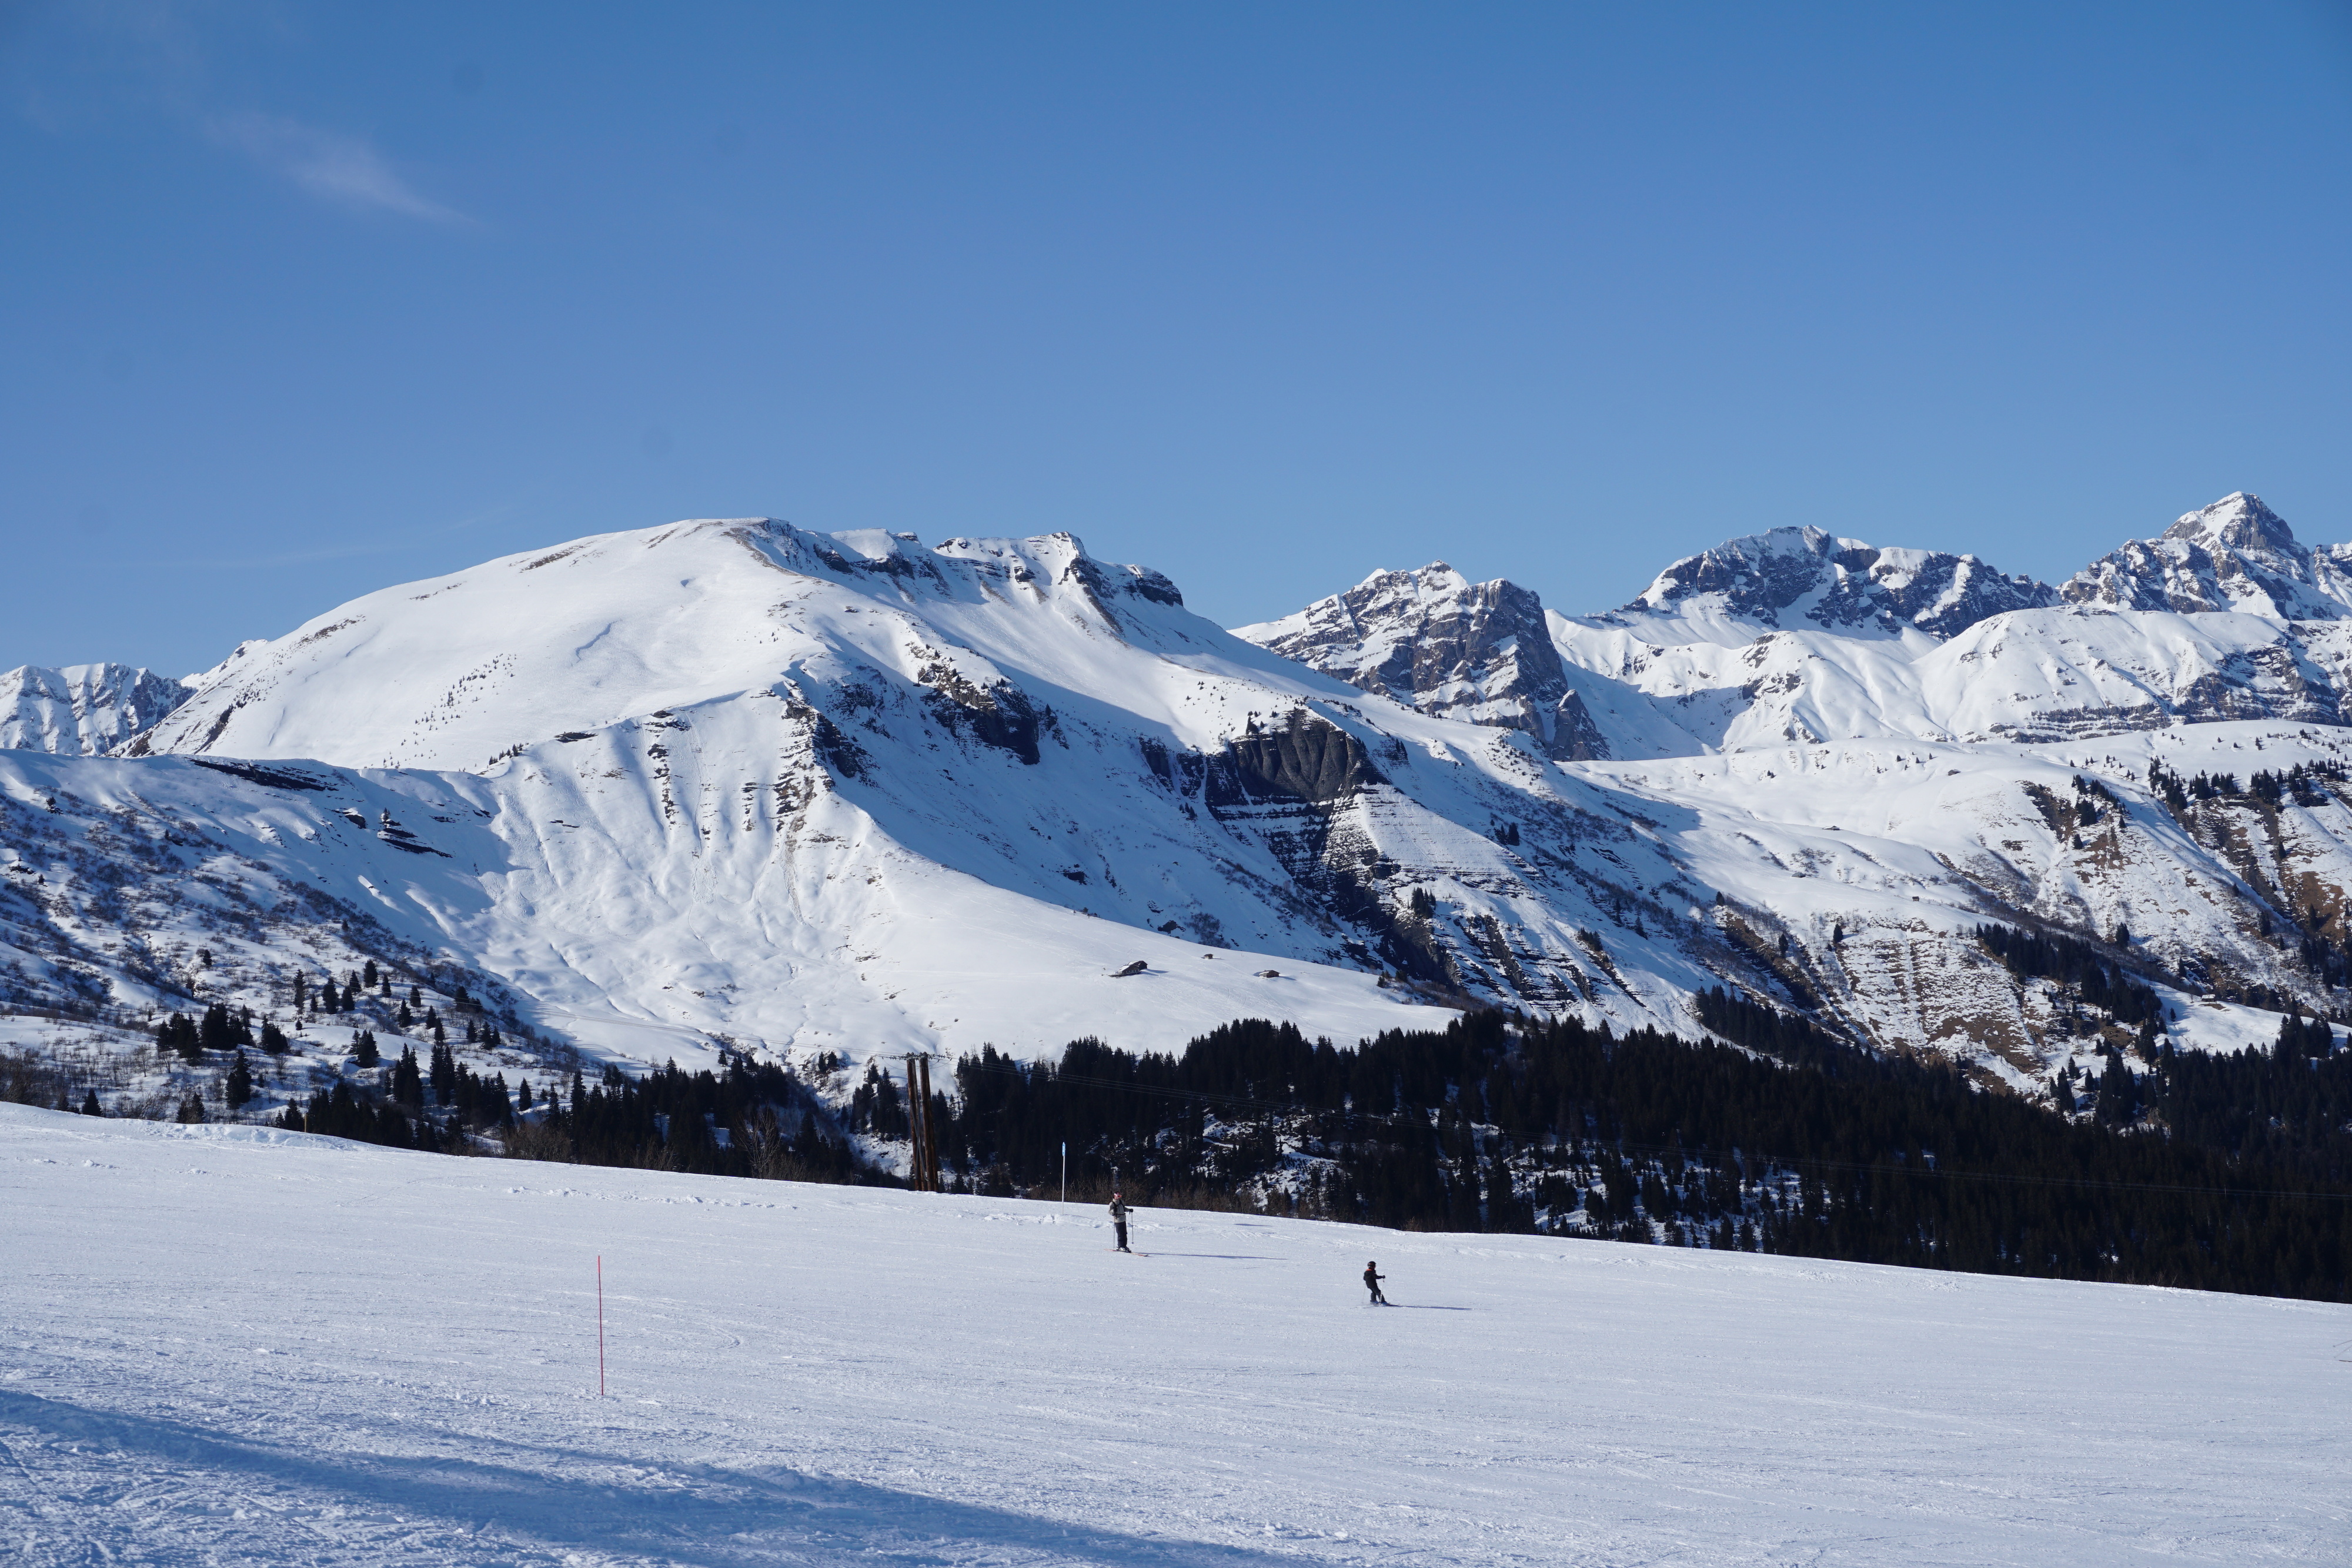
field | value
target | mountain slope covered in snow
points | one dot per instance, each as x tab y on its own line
731	783
1767	692
1797	636
81	709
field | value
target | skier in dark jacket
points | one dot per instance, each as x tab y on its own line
1373	1278
1119	1218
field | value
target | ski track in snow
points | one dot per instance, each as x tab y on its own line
232	1345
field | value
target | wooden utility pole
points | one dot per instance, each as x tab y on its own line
930	1132
915	1172
922	1140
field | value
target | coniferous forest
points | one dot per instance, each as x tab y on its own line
2237	1177
2213	1172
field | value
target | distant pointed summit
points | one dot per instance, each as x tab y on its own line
1441	644
2237	521
2234	555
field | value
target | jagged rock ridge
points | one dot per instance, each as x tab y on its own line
1440	644
2234	555
82	709
1796	575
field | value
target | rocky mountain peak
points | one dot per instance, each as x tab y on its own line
82	709
2239	522
1787	576
1434	641
2234	555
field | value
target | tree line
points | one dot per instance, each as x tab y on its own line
2236	1180
2220	1172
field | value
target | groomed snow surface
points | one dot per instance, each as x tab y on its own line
233	1345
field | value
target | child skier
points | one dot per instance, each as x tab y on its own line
1373	1278
1119	1218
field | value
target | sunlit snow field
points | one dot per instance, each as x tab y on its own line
235	1345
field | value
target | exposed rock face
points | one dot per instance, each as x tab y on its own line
1438	642
82	709
1789	576
1304	760
1000	715
2236	554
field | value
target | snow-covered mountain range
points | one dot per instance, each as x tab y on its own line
734	781
83	709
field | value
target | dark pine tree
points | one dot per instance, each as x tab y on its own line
407	1083
364	1052
178	1034
491	1106
89	1105
239	1087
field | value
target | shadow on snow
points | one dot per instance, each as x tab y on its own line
720	1518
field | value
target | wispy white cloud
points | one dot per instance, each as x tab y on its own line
327	164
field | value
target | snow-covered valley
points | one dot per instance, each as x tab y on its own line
232	1345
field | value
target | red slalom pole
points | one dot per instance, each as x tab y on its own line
600	1325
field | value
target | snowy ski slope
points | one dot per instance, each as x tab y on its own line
227	1344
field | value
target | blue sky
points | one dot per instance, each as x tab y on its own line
301	300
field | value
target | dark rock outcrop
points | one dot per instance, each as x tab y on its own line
1444	646
1302	762
1842	585
999	715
